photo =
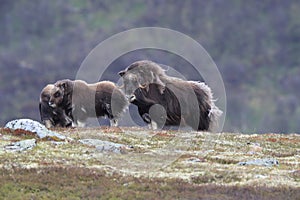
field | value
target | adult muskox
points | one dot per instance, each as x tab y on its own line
89	100
169	101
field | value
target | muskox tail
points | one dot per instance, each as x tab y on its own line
119	103
214	112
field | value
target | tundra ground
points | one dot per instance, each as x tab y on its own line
154	165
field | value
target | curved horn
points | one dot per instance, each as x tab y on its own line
144	86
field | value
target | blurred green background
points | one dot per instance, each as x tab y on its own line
255	44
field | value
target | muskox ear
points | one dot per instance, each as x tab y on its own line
64	85
121	73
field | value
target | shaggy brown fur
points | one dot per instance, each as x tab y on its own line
89	100
181	102
52	116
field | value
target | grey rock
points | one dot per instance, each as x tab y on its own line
194	160
105	145
21	145
268	162
35	127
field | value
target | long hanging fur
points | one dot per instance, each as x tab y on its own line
185	102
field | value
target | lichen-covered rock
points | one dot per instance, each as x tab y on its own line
268	162
21	145
105	145
29	125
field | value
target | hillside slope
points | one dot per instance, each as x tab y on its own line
151	165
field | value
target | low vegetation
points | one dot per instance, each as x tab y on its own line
156	165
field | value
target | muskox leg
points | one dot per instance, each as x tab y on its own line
68	122
48	123
63	120
153	125
146	117
80	124
113	122
79	119
74	124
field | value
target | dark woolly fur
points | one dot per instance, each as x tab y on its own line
89	100
185	102
52	117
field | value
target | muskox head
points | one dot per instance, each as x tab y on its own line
141	74
61	90
46	93
52	116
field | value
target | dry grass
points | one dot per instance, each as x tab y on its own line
161	165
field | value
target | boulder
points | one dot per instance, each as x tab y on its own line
29	125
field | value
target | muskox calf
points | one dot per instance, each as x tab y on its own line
89	100
168	101
52	117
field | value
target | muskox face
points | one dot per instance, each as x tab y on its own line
131	83
56	97
52	116
46	112
61	92
141	74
